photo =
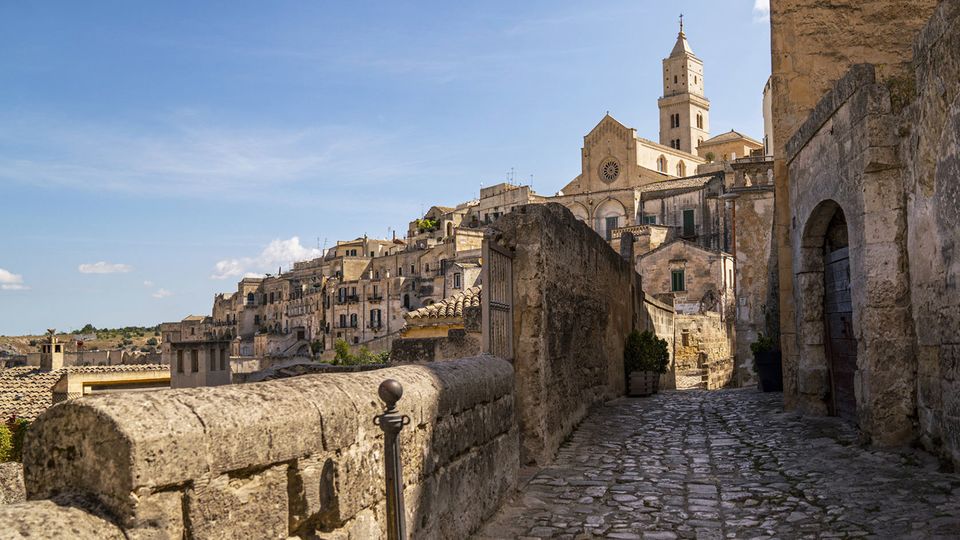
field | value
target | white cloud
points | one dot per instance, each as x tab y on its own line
761	10
193	158
148	283
103	267
161	293
11	282
279	253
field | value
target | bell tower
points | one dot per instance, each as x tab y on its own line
51	352
684	110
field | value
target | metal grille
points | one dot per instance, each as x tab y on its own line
497	298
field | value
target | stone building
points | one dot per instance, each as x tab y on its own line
866	172
26	391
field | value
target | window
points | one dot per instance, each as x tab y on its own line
612	223
689	228
271	298
193	331
356	340
179	361
681	169
649	220
399	271
676	281
256	319
376	291
413	269
677	144
699	141
372	255
223	359
213	360
353	291
343	320
353	320
194	360
251	299
694	79
662	164
456	280
406	301
699	120
376	274
674	79
426	268
57	348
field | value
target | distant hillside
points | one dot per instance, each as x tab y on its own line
131	338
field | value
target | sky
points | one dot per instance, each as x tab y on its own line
151	154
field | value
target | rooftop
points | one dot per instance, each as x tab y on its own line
448	308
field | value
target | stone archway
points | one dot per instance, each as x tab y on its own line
840	346
828	347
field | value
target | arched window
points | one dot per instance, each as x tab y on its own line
681	169
449	229
699	120
662	164
250	299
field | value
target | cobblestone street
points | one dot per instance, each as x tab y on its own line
727	464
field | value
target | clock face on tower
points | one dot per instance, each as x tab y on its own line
609	170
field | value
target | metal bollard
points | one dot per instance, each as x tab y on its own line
391	422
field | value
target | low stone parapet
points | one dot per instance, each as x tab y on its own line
296	457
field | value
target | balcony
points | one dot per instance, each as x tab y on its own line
375	298
348	299
346	327
375	325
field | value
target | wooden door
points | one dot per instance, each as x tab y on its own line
841	346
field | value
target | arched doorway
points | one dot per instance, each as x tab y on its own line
840	345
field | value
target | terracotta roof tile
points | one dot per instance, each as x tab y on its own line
448	308
27	391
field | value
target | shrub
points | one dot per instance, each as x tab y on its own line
18	428
6	443
710	157
343	356
643	351
152	342
762	344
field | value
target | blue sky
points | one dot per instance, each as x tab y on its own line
150	154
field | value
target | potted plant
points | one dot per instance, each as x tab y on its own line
645	358
766	360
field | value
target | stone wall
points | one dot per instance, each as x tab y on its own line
703	353
882	149
757	309
11	483
574	302
458	343
813	44
299	457
930	150
658	318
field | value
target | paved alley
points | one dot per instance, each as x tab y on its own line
727	464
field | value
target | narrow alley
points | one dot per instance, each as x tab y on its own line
727	464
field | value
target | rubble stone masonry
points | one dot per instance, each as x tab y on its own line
298	457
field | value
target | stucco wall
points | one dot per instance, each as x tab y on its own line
297	457
575	300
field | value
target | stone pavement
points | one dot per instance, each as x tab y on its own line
727	464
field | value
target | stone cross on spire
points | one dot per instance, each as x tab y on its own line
681	23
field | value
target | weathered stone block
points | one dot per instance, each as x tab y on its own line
230	506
